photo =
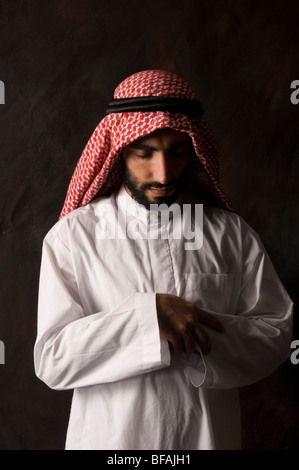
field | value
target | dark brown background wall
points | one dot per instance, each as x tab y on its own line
60	61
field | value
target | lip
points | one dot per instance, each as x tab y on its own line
161	191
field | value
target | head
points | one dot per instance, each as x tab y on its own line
154	166
145	142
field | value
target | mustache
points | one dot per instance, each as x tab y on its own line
157	185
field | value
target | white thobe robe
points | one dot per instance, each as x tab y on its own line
98	332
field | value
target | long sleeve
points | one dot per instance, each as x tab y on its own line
98	331
257	336
74	350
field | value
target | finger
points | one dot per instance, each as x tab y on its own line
203	340
176	344
189	343
208	319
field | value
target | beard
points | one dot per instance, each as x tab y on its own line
138	190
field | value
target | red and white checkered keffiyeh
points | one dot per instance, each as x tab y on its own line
98	171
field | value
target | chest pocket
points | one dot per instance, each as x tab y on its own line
210	291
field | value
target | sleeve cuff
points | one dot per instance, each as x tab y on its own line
156	349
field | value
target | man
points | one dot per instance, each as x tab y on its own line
155	321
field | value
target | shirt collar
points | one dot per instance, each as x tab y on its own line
136	210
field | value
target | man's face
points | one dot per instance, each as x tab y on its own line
154	166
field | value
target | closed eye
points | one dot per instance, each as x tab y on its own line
144	155
146	151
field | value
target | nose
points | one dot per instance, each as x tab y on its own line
162	168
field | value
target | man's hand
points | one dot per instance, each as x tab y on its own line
180	322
